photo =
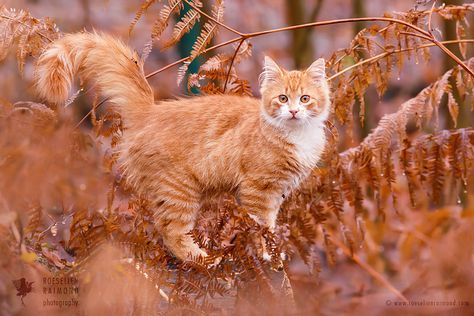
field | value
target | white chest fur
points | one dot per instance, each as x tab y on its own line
309	143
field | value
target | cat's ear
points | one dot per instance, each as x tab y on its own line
317	70
271	72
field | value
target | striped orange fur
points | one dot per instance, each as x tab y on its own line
174	151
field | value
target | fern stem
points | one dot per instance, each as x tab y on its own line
232	63
387	53
213	19
244	36
234	40
338	21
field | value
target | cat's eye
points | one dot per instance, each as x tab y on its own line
305	98
282	98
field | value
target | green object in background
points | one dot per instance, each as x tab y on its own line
185	46
347	61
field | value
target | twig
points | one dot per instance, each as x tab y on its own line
384	54
232	63
376	275
244	36
416	35
339	21
90	112
234	40
432	39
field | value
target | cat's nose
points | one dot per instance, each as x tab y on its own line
293	112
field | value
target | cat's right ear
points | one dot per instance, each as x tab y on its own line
271	72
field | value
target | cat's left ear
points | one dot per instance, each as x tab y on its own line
317	70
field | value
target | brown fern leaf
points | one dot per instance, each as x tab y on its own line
215	63
330	247
461	34
389	176
34	221
31	34
211	88
453	108
464	154
87	233
173	6
185	25
182	72
209	30
143	8
241	87
216	71
409	170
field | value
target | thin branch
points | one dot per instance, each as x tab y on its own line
339	21
417	35
409	25
232	64
90	112
384	54
426	34
453	56
376	275
213	19
234	40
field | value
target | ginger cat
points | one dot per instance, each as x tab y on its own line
174	151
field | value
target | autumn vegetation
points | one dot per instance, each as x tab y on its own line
383	220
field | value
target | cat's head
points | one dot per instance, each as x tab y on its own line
294	98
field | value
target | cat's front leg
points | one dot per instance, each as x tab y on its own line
262	201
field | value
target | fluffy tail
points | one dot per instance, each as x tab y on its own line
112	67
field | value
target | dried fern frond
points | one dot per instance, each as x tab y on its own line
219	69
378	51
30	34
209	30
173	6
182	72
143	8
185	25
